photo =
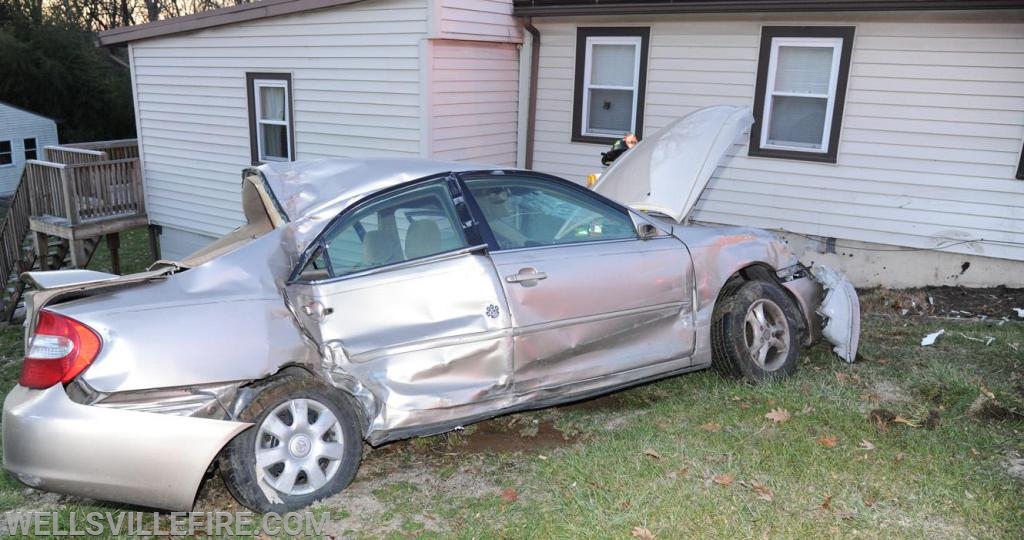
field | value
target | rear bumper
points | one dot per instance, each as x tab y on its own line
145	459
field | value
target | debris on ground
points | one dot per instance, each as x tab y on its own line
987	340
930	338
947	302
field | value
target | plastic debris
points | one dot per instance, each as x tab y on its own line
930	338
1020	312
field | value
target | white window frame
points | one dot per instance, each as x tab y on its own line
257	84
637	42
837	48
11	153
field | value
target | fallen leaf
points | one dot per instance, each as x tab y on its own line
870	501
652	453
744	405
975	452
900	456
510	494
845	514
807	409
904	421
724	479
777	415
883	361
711	426
827	503
763	492
642	533
841	377
625	505
828	441
542	457
866	445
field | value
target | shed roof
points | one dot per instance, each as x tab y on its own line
216	17
26	111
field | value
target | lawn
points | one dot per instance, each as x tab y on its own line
910	442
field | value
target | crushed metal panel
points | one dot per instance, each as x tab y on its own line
841	308
667	172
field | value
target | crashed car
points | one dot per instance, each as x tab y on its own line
379	299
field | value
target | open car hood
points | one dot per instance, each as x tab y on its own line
667	172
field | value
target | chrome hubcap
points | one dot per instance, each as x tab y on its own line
299	446
766	333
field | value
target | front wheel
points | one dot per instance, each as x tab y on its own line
305	445
755	332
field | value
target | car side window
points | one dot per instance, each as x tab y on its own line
402	226
528	212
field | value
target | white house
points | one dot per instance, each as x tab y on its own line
302	79
23	135
888	139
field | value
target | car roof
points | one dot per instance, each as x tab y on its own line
305	188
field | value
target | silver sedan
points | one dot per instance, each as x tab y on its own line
374	300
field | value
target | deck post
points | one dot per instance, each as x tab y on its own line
114	244
154	241
70	197
78	255
42	249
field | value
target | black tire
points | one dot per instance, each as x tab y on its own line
756	332
282	396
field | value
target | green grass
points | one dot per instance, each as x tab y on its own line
134	252
651	457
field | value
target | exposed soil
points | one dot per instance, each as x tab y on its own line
955	302
493	436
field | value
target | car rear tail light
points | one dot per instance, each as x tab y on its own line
60	349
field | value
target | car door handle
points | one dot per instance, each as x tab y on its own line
317	310
526	275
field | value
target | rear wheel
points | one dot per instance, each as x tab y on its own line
304	445
755	332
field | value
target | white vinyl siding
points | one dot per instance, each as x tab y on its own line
16	127
931	132
355	92
476	20
474	99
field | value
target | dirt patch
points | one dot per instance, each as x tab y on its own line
956	302
528	436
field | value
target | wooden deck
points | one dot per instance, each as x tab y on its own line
80	193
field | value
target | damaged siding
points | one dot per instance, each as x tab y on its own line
355	87
479	20
474	101
930	138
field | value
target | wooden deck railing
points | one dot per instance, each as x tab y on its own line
84	192
119	149
13	231
72	156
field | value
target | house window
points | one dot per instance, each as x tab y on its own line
801	88
611	74
30	149
271	129
6	154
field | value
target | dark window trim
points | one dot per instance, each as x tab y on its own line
1020	165
582	33
9	153
767	34
250	92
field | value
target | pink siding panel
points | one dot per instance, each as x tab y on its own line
474	101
